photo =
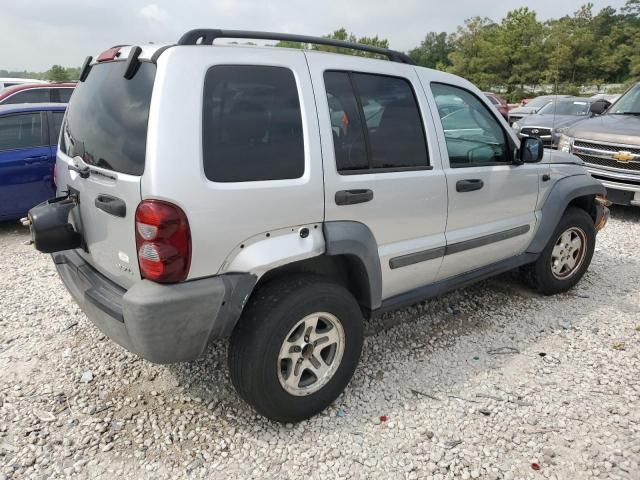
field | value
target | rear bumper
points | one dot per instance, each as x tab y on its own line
161	323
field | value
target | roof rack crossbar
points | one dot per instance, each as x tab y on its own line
206	36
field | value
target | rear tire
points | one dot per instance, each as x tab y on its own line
296	347
566	257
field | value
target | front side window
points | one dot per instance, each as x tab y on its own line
376	123
35	95
21	131
58	117
252	124
473	135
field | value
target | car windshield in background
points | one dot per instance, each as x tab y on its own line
538	102
629	103
107	118
565	108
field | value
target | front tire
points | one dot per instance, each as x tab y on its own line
296	347
567	256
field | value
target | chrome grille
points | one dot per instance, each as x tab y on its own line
609	162
535	131
605	147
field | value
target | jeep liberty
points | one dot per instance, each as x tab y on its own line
281	197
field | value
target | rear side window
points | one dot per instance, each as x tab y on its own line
107	118
61	95
252	125
376	123
35	95
21	131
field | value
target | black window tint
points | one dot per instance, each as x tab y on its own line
473	134
394	125
21	131
64	95
348	136
58	117
252	125
35	95
107	118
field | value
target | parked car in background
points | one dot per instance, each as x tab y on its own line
532	107
500	103
610	146
10	82
556	117
610	97
28	144
45	92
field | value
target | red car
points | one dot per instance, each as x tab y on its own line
52	92
500	103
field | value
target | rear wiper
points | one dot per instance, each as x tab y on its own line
627	113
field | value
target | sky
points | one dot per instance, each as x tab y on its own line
36	34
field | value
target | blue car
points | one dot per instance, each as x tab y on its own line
28	144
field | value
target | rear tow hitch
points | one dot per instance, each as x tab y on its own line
50	227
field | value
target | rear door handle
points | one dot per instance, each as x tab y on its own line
111	205
37	159
469	185
351	197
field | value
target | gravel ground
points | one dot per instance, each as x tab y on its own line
491	382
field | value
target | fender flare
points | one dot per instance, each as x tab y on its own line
356	239
562	193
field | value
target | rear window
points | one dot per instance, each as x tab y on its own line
252	126
107	118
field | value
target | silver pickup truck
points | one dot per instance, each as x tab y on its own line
610	147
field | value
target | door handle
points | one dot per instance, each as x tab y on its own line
351	197
469	185
37	159
111	205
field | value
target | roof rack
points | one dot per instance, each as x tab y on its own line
206	36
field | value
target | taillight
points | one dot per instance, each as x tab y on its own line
55	174
163	240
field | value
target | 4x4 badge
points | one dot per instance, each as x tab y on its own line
623	157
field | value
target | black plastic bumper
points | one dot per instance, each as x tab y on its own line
161	323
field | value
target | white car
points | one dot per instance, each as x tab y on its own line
282	197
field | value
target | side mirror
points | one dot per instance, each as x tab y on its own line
599	107
531	150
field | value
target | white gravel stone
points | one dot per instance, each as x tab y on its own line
575	409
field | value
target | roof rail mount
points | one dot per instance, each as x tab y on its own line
206	36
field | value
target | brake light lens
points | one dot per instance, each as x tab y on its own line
109	54
163	240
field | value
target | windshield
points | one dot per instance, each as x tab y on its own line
628	103
565	108
106	123
538	102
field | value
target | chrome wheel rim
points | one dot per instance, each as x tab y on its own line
311	354
568	253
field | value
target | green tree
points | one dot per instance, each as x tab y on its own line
341	34
58	73
433	51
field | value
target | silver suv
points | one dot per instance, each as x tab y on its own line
282	197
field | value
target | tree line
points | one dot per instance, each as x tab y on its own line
521	51
516	53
